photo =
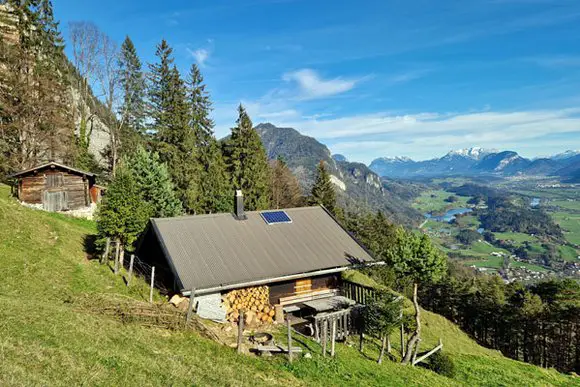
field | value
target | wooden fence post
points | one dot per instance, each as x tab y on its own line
130	269
190	306
122	258
289	339
402	341
117	251
105	256
362	340
324	336
152	282
333	337
240	330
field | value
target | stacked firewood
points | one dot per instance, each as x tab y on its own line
254	301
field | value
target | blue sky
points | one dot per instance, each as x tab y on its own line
374	78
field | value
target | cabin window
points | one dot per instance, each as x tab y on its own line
55	180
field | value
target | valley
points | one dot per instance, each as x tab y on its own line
453	221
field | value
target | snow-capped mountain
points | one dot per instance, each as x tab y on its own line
565	155
475	153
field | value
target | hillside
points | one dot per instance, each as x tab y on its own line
49	336
356	184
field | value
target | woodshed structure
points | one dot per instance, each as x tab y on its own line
288	257
56	187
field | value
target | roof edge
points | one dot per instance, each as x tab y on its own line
16	174
263	281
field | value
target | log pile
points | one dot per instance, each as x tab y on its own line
255	302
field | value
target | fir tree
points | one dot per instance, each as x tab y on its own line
132	111
154	183
323	190
173	138
248	163
122	214
381	316
286	191
214	193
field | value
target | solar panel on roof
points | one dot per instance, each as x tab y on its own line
273	217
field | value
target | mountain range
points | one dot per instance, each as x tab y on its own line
479	161
357	186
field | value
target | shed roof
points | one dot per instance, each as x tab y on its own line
208	251
51	164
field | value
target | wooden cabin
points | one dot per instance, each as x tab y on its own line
284	258
56	187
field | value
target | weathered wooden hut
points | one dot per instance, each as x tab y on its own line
285	257
56	187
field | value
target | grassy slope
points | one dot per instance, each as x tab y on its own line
47	338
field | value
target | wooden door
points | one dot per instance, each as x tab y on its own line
55	201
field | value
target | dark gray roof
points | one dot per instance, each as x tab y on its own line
207	251
52	164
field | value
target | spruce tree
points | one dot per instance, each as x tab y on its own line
248	163
173	138
154	183
214	192
286	191
323	190
122	214
132	111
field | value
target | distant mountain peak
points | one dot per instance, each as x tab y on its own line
396	159
475	153
566	155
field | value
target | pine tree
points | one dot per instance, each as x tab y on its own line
154	183
323	190
286	191
35	119
214	193
123	214
132	111
173	138
248	163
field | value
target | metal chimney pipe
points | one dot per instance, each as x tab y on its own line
239	213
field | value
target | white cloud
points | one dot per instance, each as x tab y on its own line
201	55
312	86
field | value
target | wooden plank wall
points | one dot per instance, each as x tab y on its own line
32	188
301	286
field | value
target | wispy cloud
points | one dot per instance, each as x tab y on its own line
312	86
201	55
556	61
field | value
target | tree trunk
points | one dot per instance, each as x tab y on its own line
383	346
414	339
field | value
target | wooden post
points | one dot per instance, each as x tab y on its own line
361	342
130	269
105	256
389	349
117	251
431	352
289	339
324	336
190	306
402	341
122	258
240	330
333	337
152	281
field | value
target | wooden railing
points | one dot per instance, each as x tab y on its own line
360	293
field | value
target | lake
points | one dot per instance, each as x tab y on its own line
535	202
449	216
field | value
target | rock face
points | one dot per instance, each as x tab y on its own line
357	186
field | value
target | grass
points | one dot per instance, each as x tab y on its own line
567	204
47	336
434	201
517	237
570	223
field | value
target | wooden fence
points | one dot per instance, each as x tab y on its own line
360	293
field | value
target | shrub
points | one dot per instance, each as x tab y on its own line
442	364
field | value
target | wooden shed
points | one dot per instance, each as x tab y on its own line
56	187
